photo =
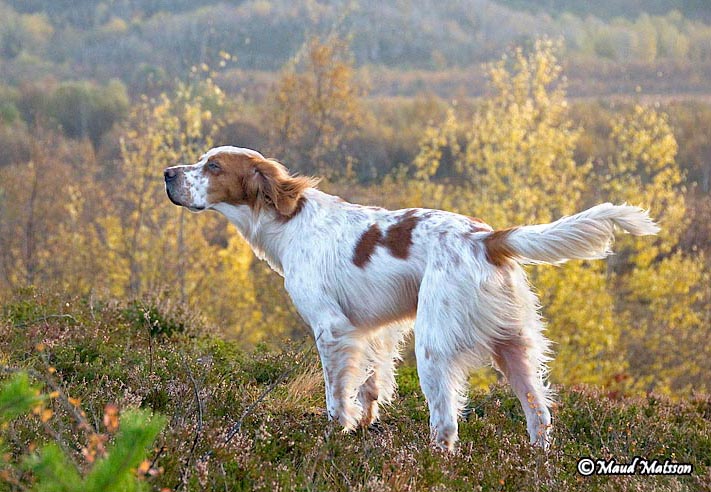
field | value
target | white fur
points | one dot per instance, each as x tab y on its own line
586	235
469	312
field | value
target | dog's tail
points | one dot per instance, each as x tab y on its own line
586	235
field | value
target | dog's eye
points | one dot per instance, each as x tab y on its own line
213	166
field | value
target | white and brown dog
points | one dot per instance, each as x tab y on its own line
356	273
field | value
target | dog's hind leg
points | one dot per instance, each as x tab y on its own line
441	353
521	354
513	359
368	395
443	384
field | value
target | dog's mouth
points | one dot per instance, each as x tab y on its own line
177	202
172	198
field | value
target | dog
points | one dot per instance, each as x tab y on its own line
359	275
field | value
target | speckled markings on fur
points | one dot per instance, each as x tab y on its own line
360	275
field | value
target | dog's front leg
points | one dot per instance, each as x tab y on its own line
341	349
342	356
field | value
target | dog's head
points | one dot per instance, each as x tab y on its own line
238	177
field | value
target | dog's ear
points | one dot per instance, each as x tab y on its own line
278	189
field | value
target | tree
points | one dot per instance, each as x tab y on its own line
85	111
29	215
143	235
517	150
669	318
314	108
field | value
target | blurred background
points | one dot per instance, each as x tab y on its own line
515	111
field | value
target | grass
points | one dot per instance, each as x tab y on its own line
162	358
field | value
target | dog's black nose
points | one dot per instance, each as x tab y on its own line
170	174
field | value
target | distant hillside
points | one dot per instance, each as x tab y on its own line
87	13
148	43
609	9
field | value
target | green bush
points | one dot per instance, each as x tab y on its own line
17	396
52	468
142	314
84	110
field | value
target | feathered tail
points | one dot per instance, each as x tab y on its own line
586	235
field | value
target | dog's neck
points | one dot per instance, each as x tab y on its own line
268	234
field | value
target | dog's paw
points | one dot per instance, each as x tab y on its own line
542	438
445	438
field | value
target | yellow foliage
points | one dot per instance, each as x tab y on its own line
643	171
583	324
668	337
515	157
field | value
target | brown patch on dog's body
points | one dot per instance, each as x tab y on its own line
245	179
366	245
397	239
498	249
